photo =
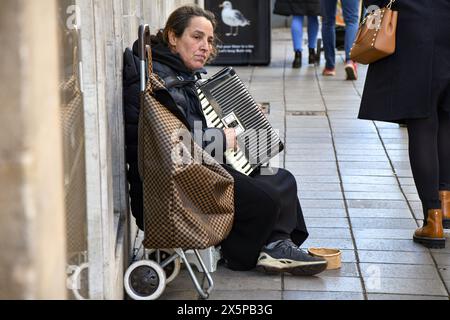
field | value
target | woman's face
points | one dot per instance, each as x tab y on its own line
196	43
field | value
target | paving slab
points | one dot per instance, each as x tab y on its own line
402	271
327	233
311	145
377	204
442	259
390	297
412	257
364	165
304	186
321	212
249	280
383	223
323	204
372	188
405	286
324	222
352	158
380	213
329	195
317	179
395	245
327	284
445	272
367	172
347	270
366	195
399	234
369	180
318	295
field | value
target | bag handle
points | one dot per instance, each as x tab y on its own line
145	53
389	6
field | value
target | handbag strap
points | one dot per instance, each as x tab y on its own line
389	6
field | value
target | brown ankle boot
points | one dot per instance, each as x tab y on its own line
445	200
431	235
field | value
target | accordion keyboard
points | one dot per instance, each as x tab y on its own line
226	103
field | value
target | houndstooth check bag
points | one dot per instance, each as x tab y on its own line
72	123
188	205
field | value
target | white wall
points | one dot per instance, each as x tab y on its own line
32	240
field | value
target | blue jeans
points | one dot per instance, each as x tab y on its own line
297	31
350	10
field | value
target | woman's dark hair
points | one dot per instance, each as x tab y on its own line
180	19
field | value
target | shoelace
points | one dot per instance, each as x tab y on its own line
292	246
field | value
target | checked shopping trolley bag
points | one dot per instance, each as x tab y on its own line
188	204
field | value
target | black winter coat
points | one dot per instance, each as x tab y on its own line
131	106
401	86
297	7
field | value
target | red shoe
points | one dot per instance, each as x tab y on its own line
327	72
351	70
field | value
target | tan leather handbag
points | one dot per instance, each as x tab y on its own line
376	36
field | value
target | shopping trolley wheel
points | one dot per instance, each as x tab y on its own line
145	280
172	270
319	51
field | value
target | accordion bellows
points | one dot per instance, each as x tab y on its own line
188	205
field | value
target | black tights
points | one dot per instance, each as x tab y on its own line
429	154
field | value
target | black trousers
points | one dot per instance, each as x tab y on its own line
429	149
429	154
267	209
429	138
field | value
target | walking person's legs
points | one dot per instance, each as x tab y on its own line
297	39
313	30
328	8
423	155
350	9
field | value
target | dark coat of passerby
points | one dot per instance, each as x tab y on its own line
268	222
412	86
399	87
298	9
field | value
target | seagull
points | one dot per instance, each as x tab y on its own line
233	18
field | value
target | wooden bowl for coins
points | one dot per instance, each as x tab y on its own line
333	256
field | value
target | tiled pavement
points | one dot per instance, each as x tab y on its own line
355	187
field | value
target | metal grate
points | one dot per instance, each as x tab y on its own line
306	113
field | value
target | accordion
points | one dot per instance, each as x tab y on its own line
226	103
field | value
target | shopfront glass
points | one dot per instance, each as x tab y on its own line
72	123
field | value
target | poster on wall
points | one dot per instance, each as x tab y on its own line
244	31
